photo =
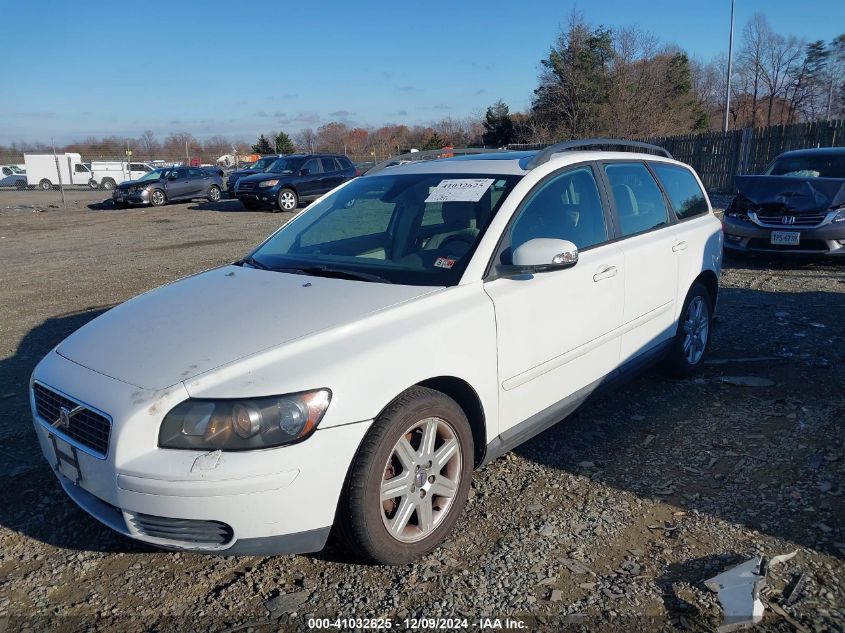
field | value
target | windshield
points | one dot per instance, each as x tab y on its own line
155	174
284	165
262	163
415	229
809	166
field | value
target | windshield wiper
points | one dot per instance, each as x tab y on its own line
254	263
325	271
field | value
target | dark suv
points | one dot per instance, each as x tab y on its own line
255	168
293	178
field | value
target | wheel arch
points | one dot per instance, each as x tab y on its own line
467	398
710	281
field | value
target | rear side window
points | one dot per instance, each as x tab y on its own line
639	201
345	163
328	164
683	190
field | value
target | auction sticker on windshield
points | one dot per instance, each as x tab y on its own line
460	190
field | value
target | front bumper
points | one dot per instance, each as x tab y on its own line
746	237
273	501
123	196
266	195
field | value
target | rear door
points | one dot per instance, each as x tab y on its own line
199	179
696	239
310	180
332	175
648	242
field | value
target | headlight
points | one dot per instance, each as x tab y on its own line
268	183
839	217
242	425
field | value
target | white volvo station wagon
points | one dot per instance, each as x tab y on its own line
355	368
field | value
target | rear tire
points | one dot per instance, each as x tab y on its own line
692	340
287	200
45	185
422	442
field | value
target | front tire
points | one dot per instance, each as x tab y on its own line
213	193
157	198
287	200
692	340
409	481
108	184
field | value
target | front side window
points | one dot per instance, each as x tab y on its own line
415	229
312	167
80	169
197	173
565	207
284	166
7	171
683	190
639	201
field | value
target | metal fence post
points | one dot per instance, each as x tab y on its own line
58	172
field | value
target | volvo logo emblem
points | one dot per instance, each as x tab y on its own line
789	219
65	415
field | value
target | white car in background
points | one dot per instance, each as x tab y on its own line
355	368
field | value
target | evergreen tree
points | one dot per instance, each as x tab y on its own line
262	146
498	125
434	142
283	144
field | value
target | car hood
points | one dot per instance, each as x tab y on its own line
126	184
199	323
242	173
796	195
264	175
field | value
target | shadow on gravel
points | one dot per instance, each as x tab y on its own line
767	458
31	500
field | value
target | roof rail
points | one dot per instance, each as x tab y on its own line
545	155
430	154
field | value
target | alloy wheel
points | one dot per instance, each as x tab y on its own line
696	330
421	479
287	200
157	198
214	194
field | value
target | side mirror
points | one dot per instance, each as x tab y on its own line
545	254
172	175
304	172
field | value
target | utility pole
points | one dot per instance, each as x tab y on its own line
730	68
187	156
59	172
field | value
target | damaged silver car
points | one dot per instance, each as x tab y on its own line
797	206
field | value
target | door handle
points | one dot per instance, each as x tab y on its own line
605	272
679	247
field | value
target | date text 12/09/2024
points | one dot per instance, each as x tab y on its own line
414	624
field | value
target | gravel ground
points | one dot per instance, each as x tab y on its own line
608	521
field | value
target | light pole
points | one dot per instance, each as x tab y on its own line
730	68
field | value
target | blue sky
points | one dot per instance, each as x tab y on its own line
74	69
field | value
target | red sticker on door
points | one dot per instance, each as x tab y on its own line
444	262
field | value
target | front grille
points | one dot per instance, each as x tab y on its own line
88	428
813	219
246	186
760	243
185	530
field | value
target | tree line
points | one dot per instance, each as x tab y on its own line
595	81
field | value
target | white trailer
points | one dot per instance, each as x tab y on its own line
48	170
109	173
